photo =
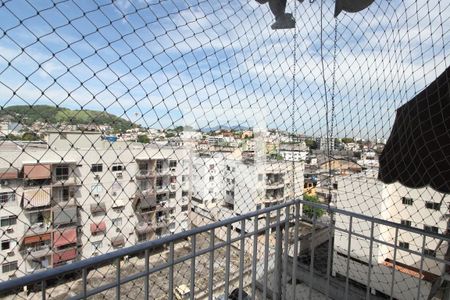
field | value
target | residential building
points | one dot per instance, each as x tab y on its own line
80	196
294	152
325	143
421	208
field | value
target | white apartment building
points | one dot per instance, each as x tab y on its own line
323	141
422	208
80	196
294	152
208	184
225	185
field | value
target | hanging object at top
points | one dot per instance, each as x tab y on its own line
283	20
351	6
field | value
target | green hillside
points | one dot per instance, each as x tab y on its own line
50	114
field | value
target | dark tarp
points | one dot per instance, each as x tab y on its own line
351	6
417	153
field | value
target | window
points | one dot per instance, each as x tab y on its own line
183	178
184	193
37	217
403	245
96	189
8	221
433	205
95	168
211	178
62	172
407	201
8	197
142	237
211	167
117	168
172	195
96	246
433	229
61	194
406	223
159	165
9	267
429	252
173	164
184	208
117	222
6	245
258	206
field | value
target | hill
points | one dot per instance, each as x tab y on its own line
44	113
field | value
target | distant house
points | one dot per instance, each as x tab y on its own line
341	166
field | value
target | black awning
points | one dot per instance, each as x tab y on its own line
417	153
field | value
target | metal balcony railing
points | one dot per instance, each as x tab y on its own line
352	257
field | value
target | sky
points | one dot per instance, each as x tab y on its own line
207	63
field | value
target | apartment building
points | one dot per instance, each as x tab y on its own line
80	196
421	208
325	143
227	184
294	152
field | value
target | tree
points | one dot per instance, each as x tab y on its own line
311	144
309	210
347	140
30	136
143	138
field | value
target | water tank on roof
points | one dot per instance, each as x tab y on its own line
110	138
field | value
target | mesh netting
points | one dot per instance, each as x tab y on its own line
128	121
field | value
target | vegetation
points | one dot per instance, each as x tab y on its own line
28	115
27	136
143	138
312	144
347	140
309	211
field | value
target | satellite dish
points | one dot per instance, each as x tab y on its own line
351	6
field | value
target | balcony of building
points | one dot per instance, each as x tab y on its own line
274	180
36	250
146	169
64	256
37	198
55	174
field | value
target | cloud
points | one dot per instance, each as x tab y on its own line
209	62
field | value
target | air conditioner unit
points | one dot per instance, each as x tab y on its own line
11	253
173	169
94	253
114	193
10	230
4	182
97	177
119	174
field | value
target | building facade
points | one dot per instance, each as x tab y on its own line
421	208
81	196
